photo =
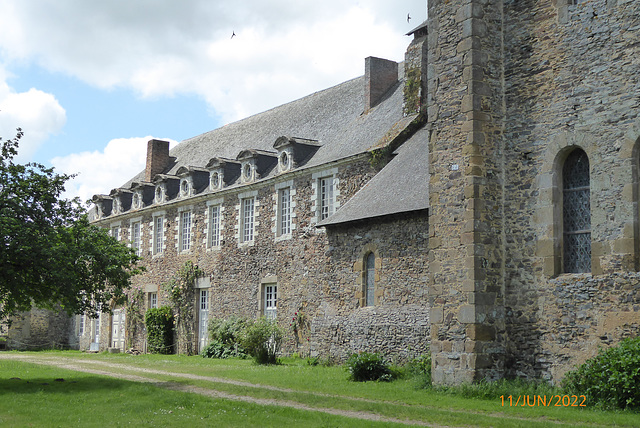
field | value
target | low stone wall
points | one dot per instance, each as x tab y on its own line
577	315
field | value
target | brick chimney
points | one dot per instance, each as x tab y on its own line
157	158
379	76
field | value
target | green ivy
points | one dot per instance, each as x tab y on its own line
159	323
181	295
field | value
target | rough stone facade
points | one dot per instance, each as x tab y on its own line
514	88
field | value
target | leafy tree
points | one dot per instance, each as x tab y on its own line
50	255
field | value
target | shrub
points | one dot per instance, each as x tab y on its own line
420	370
368	366
611	378
262	340
159	323
225	337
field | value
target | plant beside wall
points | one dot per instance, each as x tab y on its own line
367	366
225	335
611	379
262	340
159	323
180	292
133	309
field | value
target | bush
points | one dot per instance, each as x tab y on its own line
420	370
262	340
368	366
159	323
611	378
225	337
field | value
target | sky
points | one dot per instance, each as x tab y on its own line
91	82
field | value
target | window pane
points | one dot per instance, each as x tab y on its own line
370	279
159	235
185	218
214	226
326	197
576	213
247	220
285	212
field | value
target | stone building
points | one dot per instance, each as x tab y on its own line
487	186
289	214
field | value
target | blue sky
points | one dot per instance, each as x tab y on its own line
91	82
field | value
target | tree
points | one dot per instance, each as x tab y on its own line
50	255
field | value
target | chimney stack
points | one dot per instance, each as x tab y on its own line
379	76
157	158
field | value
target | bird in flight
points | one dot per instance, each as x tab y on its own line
408	17
233	34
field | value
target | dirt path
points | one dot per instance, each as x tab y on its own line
84	365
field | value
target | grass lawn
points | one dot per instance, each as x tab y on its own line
36	399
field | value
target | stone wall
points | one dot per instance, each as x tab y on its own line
40	329
313	268
571	81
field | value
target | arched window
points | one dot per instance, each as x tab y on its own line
576	213
370	279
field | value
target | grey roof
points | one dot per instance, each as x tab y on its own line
335	117
401	186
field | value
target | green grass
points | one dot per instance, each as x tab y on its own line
120	402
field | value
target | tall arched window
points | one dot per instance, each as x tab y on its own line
576	213
370	279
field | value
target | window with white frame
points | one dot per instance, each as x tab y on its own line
158	234
247	208
81	323
136	238
214	226
115	232
284	211
270	301
153	300
325	197
185	231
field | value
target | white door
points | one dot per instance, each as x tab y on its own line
203	317
117	329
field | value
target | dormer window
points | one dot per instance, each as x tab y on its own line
284	161
116	205
215	182
185	188
137	200
159	198
247	172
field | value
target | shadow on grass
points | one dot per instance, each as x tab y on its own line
64	385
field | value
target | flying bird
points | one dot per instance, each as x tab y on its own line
408	17
233	34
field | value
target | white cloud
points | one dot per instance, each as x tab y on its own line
36	112
284	49
99	172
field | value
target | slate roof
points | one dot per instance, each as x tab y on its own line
401	186
335	117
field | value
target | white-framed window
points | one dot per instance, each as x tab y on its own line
270	301
247	214
158	234
115	232
81	324
153	300
325	197
136	238
284	211
185	231
325	185
214	226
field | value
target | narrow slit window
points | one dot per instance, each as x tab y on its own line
370	279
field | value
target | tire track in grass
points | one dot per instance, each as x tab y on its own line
76	365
